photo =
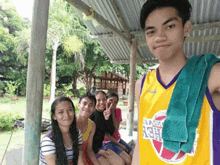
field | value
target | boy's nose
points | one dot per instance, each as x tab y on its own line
160	36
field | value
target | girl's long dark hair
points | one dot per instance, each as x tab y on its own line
61	158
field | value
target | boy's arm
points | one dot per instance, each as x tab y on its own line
113	140
136	156
214	84
90	152
80	158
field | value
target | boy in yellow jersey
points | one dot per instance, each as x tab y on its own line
166	24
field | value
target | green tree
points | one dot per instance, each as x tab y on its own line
61	30
11	69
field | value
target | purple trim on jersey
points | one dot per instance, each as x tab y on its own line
171	82
142	82
216	129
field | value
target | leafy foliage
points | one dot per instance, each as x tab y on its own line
7	119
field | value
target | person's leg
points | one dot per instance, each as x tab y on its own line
114	159
131	153
119	151
103	160
129	148
125	157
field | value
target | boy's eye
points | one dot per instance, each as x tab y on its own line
149	32
171	26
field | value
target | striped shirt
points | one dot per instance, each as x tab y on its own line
48	148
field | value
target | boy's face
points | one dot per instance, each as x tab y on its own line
165	33
86	107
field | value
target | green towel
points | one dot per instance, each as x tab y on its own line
183	113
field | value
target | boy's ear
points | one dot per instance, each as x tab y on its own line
187	28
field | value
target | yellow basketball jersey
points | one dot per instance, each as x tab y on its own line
154	101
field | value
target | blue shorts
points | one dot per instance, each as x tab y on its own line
103	148
116	148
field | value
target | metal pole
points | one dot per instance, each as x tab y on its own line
35	82
130	115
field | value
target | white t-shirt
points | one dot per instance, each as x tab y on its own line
48	148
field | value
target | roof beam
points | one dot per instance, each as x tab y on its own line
141	32
86	9
206	26
125	27
203	38
118	13
128	61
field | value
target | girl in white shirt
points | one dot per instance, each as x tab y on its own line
62	145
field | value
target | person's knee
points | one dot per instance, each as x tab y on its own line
121	161
115	159
103	160
125	157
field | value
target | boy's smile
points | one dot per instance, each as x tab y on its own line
86	107
164	32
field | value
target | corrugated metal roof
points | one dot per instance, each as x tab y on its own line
205	18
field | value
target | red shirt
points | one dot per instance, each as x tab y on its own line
116	135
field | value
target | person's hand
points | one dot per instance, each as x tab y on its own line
104	153
108	110
123	147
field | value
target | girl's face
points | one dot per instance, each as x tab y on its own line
100	102
112	100
64	113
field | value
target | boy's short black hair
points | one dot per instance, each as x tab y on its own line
183	8
90	96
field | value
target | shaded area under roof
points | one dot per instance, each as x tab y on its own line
124	16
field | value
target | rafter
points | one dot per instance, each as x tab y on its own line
118	13
86	9
140	33
128	61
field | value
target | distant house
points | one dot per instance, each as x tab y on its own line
111	82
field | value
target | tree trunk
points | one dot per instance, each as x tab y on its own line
87	81
74	84
53	73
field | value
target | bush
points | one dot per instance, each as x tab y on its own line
46	89
7	119
11	88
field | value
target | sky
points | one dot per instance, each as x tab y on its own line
24	7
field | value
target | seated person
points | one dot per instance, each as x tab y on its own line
87	127
63	144
115	142
104	125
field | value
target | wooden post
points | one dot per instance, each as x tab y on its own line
35	82
130	115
